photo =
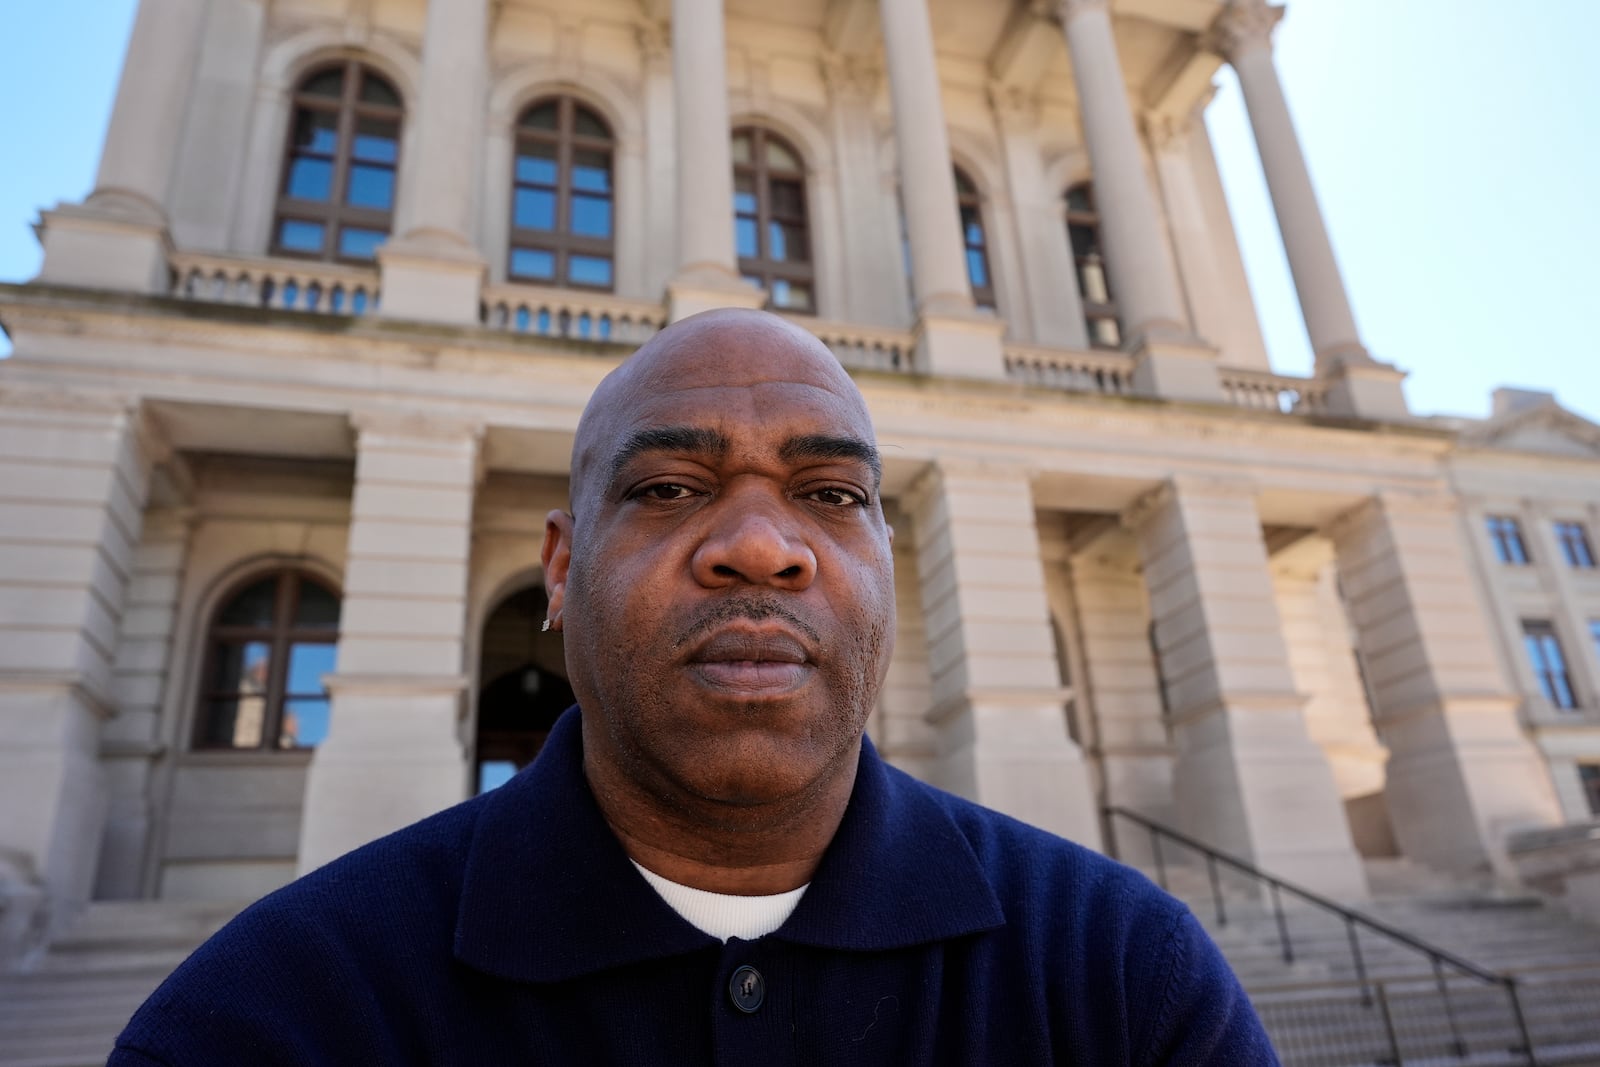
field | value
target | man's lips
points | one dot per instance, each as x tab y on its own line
751	661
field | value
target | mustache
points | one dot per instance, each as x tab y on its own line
753	608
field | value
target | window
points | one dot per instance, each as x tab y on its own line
337	197
770	228
1574	542
561	197
268	648
1505	534
970	203
1088	256
1549	665
1589	776
1594	634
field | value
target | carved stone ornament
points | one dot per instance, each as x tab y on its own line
1244	25
848	78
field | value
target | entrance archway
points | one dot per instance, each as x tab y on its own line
522	688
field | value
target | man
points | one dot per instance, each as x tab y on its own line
707	863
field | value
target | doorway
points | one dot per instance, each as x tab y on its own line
522	688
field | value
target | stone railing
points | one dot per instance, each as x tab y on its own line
862	347
1077	371
1265	391
293	285
573	314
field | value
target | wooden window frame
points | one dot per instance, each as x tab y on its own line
279	638
969	198
560	241
334	214
761	269
1093	311
1562	697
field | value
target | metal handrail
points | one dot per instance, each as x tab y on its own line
1437	957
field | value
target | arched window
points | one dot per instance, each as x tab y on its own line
266	652
1083	228
337	197
561	197
771	231
970	201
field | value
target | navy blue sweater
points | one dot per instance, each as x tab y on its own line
512	929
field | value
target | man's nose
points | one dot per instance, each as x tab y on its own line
755	542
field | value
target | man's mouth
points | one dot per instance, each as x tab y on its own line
751	661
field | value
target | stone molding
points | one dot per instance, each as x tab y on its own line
1015	108
944	711
1244	25
378	422
1137	514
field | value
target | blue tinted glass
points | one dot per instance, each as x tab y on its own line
534	209
589	270
376	141
777	245
317	132
977	270
974	230
536	165
360	244
780	293
371	187
307	664
305	724
492	774
310	179
744	203
297	236
591	216
242	668
591	172
744	238
531	263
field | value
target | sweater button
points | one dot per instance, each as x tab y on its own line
747	988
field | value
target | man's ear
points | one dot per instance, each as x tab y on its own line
557	558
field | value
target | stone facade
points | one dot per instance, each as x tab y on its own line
1265	610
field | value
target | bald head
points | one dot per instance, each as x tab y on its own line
721	349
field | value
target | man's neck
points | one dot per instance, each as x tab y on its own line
744	850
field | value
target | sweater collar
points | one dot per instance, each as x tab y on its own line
550	895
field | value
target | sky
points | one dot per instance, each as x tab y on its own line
1455	145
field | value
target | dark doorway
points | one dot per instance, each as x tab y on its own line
522	688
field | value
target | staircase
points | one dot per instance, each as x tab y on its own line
68	1009
1346	995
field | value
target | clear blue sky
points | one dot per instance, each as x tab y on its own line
1455	144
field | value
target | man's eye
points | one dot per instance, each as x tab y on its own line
664	491
842	498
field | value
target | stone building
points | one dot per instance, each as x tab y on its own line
297	382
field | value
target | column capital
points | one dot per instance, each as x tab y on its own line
1015	108
1244	25
1181	486
655	42
381	423
1067	10
850	78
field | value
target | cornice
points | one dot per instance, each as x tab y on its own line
1243	26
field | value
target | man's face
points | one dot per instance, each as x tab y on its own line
729	603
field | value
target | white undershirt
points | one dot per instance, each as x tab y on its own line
723	915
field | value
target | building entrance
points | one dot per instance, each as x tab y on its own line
522	688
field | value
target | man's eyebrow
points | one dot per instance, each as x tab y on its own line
691	440
829	446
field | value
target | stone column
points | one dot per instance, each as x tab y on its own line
1055	306
997	701
393	753
952	337
870	235
130	741
660	136
1461	774
117	239
708	268
1198	271
74	475
1243	35
1249	780
1324	665
432	269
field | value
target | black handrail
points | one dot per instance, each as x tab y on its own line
1436	956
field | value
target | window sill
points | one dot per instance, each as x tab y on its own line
245	757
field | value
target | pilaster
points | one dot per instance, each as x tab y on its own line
74	475
393	752
1249	779
997	700
1461	774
